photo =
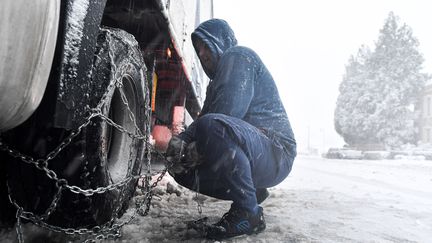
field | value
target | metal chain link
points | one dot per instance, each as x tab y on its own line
149	195
18	226
130	113
42	164
196	193
60	186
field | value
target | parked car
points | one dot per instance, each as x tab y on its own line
343	153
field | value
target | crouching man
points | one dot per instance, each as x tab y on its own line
242	143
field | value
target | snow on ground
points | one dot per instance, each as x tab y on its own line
321	201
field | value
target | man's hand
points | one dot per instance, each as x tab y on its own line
182	157
175	151
192	158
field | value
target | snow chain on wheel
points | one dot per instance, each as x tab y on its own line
86	178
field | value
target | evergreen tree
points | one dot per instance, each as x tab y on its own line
380	89
354	100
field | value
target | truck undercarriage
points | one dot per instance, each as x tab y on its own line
124	74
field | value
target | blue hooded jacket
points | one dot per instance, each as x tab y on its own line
241	86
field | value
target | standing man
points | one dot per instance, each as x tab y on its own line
242	143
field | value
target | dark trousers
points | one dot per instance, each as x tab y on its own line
237	159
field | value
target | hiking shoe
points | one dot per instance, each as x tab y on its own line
237	222
261	194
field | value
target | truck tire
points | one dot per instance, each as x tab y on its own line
7	212
99	156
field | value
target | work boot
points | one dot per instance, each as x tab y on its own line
237	222
261	194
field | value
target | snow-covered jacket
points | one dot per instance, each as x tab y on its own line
242	86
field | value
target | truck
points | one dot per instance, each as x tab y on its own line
90	91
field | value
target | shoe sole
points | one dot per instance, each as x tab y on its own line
255	231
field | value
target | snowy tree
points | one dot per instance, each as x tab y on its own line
352	104
380	88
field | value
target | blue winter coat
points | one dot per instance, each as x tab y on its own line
242	86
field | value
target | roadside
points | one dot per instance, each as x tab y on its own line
321	201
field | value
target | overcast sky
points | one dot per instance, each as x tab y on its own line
306	44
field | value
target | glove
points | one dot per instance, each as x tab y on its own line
175	150
181	157
192	158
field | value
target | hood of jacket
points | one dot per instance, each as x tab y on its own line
217	35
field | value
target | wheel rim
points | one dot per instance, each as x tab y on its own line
121	153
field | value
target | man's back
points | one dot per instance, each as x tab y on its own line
244	88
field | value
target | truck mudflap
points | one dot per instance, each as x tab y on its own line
28	32
76	90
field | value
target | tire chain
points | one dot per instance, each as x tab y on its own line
109	230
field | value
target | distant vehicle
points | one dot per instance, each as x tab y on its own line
83	84
343	153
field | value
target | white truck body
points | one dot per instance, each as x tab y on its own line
28	31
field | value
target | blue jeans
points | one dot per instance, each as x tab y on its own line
237	159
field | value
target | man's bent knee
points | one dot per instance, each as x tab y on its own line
207	124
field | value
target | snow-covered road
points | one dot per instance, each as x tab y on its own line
321	201
360	201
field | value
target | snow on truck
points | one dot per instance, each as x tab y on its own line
85	86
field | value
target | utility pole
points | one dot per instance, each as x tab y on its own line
308	138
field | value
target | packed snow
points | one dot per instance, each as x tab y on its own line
74	34
322	200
